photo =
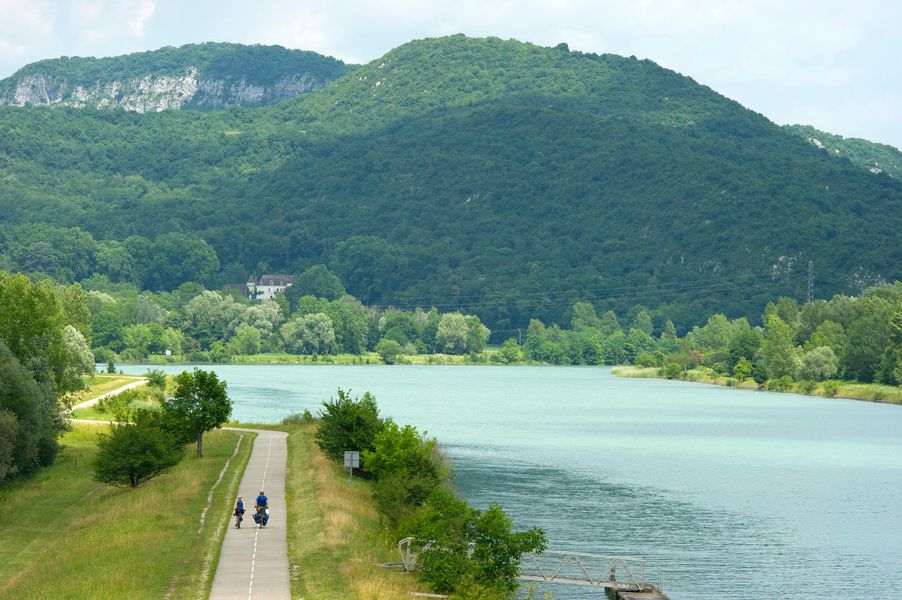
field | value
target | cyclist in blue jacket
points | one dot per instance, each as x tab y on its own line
261	504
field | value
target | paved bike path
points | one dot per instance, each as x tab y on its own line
253	562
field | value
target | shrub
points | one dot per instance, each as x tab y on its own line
389	350
103	355
807	386
781	384
721	368
134	453
9	429
759	373
348	424
743	368
400	449
397	495
156	378
646	359
406	468
731	382
673	370
831	388
509	352
299	418
471	545
118	404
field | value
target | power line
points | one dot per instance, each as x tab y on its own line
565	298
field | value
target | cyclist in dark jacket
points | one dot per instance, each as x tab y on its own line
239	512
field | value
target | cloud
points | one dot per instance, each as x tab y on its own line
108	22
24	26
143	10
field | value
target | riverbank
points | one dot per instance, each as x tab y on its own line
335	539
370	358
106	542
852	390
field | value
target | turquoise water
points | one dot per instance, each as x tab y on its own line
732	493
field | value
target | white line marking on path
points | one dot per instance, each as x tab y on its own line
250	589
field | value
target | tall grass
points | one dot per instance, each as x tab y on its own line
334	536
637	372
66	536
874	392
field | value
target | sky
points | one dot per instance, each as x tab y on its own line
834	64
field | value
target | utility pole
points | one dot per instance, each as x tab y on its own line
810	280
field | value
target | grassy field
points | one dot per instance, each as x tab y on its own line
334	535
853	390
92	413
66	536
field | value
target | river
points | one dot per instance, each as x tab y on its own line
734	494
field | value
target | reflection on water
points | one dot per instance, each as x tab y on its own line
734	494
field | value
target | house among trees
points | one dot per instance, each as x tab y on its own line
268	286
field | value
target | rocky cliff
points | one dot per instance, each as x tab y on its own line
204	77
876	158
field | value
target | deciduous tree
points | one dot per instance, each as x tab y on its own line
200	403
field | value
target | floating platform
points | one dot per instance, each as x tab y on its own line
650	593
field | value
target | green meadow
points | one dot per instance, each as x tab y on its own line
67	536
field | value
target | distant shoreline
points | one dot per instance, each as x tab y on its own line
483	359
849	390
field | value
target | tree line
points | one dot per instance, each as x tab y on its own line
856	338
45	332
845	336
313	317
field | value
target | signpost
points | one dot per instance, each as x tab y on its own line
352	461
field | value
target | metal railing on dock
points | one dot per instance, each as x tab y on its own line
615	573
584	568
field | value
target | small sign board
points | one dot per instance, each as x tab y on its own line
352	459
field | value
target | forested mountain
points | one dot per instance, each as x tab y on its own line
495	177
876	158
198	76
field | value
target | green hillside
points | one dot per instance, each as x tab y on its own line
876	158
430	75
498	177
